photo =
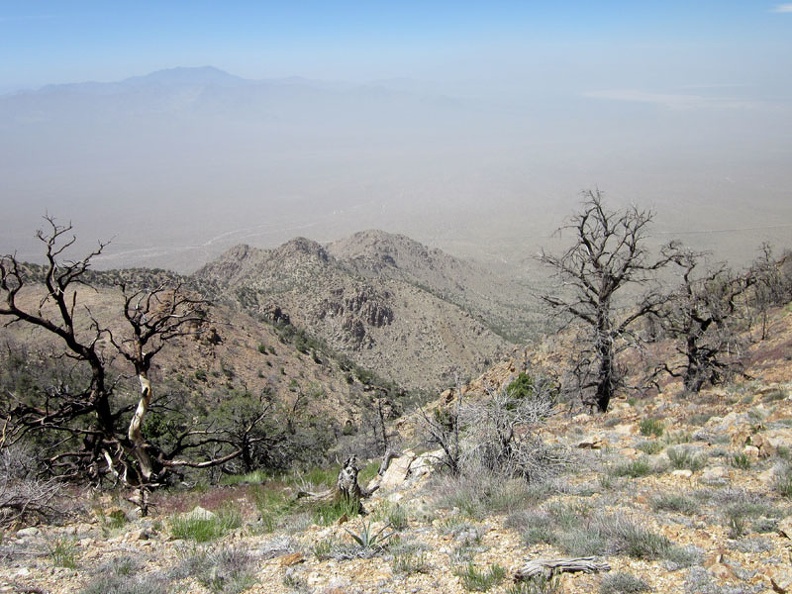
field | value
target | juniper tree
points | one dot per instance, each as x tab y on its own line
608	255
88	412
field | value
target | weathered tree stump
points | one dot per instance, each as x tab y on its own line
347	487
547	568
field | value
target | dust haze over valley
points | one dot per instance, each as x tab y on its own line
179	165
472	130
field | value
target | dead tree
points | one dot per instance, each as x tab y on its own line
702	315
607	256
51	298
347	487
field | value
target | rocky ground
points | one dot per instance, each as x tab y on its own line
674	493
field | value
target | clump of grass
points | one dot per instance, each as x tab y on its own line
63	552
651	427
584	532
272	505
782	482
206	528
121	575
675	503
622	583
326	514
686	458
476	580
394	515
650	446
409	558
633	469
221	570
536	585
740	461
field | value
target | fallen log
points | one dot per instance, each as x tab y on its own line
547	568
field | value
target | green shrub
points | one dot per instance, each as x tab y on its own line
651	427
675	503
205	528
409	558
622	583
783	480
686	458
650	447
741	461
63	552
476	580
633	469
326	514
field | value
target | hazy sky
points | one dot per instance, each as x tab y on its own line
707	42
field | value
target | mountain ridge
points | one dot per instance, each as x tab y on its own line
388	302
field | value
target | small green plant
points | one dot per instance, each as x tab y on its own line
536	585
368	539
622	583
651	427
395	515
63	552
409	561
651	446
326	514
205	528
476	580
323	549
633	469
675	503
783	480
686	458
740	461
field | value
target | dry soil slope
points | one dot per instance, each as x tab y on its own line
381	303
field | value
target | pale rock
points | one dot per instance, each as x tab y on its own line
769	442
28	532
751	452
683	473
199	513
715	474
785	527
781	579
397	471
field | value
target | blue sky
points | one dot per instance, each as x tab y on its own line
54	41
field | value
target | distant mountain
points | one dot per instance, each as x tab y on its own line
412	314
204	75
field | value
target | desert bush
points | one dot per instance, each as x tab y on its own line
23	496
409	558
219	569
622	583
686	458
651	427
673	502
205	528
633	469
121	575
651	446
584	531
477	580
782	482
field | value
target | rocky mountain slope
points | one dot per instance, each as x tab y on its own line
668	493
415	316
